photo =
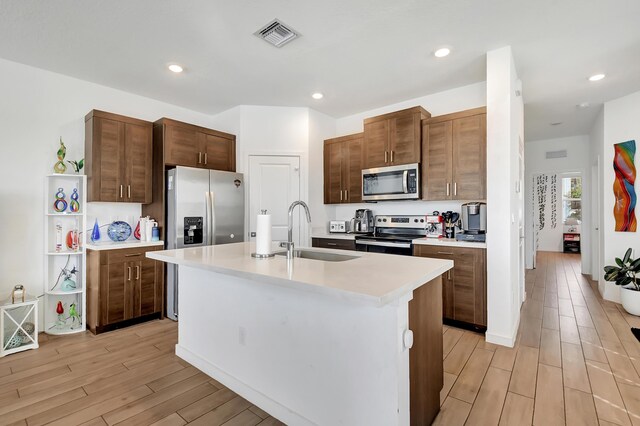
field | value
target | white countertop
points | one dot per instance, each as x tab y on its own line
338	236
448	242
371	277
112	245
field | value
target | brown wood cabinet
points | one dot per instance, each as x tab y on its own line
394	139
464	288
343	169
118	158
333	243
181	144
454	151
194	146
124	287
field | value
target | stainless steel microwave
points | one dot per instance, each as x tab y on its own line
391	183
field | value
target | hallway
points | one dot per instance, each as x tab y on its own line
575	362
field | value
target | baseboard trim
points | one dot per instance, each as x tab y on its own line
500	339
269	405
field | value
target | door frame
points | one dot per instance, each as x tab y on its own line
304	187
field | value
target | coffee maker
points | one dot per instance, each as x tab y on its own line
474	222
362	223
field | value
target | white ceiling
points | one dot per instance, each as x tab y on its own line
361	54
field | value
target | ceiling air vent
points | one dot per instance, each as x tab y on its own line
556	154
276	33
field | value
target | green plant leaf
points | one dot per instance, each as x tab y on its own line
611	276
81	164
619	262
624	281
627	256
635	264
610	268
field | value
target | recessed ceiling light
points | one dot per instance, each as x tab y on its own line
557	123
317	95
584	105
175	68
442	52
596	77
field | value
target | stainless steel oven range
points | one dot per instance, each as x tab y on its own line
393	235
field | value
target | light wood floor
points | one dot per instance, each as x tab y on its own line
125	377
575	362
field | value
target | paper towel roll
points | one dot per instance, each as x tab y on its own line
263	234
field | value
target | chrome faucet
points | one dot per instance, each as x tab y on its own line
289	243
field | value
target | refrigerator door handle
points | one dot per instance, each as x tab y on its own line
212	216
207	219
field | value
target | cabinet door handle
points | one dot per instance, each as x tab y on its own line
121	189
392	156
455	188
449	274
346	195
341	195
332	244
129	191
448	189
199	158
445	252
137	272
385	156
129	273
132	254
205	158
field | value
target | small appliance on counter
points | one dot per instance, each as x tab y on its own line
450	221
362	223
474	222
338	226
434	225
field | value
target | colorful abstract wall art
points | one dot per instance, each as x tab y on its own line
623	186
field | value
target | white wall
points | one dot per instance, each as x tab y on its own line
458	99
37	108
321	127
578	160
504	131
596	141
620	124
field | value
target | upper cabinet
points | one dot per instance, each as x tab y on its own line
393	139
343	169
454	150
194	146
118	158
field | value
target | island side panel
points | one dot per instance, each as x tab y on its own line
303	357
425	357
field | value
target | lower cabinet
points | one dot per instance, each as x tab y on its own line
333	243
464	288
124	288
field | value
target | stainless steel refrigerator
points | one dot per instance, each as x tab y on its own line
204	207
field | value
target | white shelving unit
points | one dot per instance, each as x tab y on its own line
55	261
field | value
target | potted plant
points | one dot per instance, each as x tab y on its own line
626	273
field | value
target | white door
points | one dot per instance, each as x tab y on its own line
521	222
274	183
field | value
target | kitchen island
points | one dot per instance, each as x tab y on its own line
313	341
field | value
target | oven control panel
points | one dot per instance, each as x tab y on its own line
412	221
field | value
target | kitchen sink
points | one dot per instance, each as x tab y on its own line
318	255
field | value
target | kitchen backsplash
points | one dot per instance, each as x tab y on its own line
110	212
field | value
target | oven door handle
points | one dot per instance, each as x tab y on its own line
383	244
405	181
